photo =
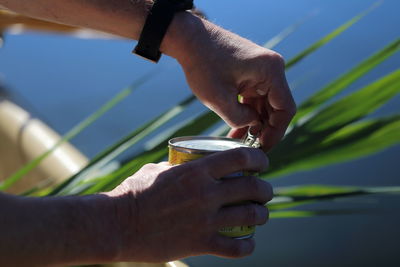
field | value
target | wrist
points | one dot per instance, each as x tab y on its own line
179	39
104	217
68	230
89	229
123	223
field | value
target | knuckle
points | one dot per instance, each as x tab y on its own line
199	169
202	197
236	123
149	167
251	158
192	173
292	110
253	214
236	251
262	158
277	59
242	248
211	246
244	156
270	191
254	185
258	189
250	246
266	161
192	183
233	121
192	167
266	191
267	215
264	215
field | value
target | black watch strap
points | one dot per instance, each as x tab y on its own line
156	25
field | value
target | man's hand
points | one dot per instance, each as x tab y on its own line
220	65
161	213
167	213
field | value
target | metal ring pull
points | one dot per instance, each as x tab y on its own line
251	140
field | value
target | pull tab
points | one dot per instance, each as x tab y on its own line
251	140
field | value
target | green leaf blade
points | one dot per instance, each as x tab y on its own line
281	36
345	80
295	196
356	105
353	141
18	175
329	37
157	153
128	141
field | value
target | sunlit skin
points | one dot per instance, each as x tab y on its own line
162	212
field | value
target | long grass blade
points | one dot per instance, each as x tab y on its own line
73	132
355	106
338	85
156	154
133	138
292	214
286	32
277	39
295	196
353	141
137	135
326	39
160	151
307	137
110	153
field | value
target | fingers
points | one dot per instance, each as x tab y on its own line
281	108
273	102
234	113
234	160
234	190
279	95
230	248
248	214
274	129
155	167
237	133
275	110
164	164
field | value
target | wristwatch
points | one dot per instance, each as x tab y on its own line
156	25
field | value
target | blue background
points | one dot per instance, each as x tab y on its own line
62	80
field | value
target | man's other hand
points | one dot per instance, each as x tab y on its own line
170	212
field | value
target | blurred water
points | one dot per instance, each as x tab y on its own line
65	79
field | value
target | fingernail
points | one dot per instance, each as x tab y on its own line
261	92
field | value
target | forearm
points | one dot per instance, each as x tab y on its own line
52	231
119	17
